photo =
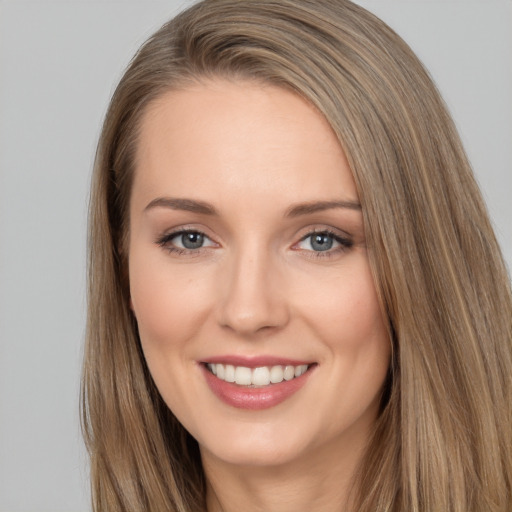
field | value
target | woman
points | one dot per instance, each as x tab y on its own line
296	298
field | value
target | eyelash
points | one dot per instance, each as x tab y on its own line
164	242
345	243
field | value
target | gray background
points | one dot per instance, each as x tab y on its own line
59	61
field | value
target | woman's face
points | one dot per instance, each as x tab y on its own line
247	259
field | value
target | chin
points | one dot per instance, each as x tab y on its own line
248	445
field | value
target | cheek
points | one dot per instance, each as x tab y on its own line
169	305
345	309
348	319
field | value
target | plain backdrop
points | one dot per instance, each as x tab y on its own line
59	63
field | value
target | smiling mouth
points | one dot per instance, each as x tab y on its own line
256	377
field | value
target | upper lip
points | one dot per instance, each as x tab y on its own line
255	361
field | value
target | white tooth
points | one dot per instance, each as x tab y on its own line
220	371
243	375
211	367
299	370
276	374
229	375
261	376
289	372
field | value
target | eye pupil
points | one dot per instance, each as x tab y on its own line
321	242
192	240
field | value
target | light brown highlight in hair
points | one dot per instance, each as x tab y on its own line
443	441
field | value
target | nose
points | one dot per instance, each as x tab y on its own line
253	295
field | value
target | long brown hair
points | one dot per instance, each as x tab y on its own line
443	441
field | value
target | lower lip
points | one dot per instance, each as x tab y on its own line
255	399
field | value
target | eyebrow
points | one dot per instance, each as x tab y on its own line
204	208
188	205
319	206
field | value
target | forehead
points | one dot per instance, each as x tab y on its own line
230	139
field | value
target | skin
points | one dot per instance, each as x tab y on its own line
257	287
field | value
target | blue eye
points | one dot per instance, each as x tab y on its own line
189	240
186	240
323	241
